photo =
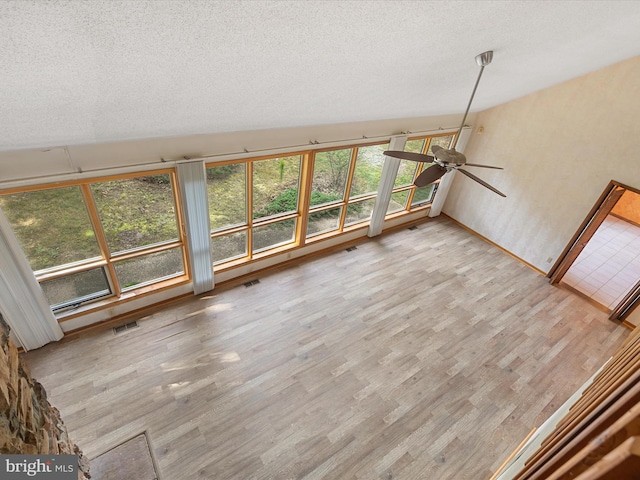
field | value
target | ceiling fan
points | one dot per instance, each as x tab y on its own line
445	160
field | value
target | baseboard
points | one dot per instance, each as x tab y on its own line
532	267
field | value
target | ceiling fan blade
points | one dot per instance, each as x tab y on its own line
483	166
414	157
430	175
481	182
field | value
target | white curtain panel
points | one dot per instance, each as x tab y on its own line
22	302
447	179
385	188
192	177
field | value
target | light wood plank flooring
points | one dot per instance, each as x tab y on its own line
422	354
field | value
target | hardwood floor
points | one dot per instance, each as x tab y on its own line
422	354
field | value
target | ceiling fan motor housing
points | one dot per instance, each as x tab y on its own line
450	157
458	158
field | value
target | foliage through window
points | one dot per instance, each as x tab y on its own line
344	188
330	173
276	183
368	170
269	189
136	212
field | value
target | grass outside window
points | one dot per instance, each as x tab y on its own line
136	212
52	225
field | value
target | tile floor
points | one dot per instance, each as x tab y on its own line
609	265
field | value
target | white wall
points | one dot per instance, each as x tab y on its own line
559	148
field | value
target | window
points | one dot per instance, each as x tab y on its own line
52	226
76	288
136	212
368	169
96	239
267	188
406	196
327	199
256	205
276	188
344	188
227	193
116	236
364	184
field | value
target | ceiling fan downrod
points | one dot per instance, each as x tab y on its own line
482	60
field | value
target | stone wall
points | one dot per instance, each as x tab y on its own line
28	422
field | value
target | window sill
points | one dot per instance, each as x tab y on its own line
402	213
125	297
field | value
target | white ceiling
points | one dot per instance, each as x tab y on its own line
75	72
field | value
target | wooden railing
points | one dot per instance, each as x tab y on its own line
599	438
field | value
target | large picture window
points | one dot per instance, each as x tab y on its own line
260	206
344	188
96	239
364	183
368	169
227	195
119	236
267	188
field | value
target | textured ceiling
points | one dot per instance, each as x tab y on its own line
75	72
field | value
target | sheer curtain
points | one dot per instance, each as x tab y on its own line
387	180
22	302
192	177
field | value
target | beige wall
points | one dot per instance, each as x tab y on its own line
559	147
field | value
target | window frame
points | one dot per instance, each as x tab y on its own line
252	223
305	210
84	299
107	260
347	199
